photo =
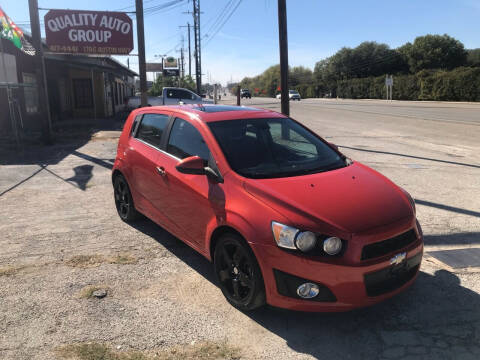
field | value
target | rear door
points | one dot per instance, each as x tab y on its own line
142	156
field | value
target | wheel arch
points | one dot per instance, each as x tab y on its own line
115	173
218	233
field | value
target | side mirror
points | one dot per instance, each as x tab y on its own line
195	165
192	165
333	145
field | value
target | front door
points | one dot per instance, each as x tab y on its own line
192	200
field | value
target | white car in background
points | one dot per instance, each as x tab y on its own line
292	95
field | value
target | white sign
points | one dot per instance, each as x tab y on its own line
389	81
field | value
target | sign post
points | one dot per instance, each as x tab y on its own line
43	102
389	86
141	52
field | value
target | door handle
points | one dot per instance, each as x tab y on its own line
161	170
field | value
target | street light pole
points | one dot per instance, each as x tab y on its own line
283	43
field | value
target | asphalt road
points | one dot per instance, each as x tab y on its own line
60	234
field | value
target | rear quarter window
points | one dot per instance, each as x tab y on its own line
151	128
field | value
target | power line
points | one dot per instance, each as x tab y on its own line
164	8
224	22
220	15
132	6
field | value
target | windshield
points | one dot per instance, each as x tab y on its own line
293	92
268	148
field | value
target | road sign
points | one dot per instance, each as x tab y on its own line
154	67
88	32
389	81
171	72
170	63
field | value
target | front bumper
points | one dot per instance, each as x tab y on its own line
351	284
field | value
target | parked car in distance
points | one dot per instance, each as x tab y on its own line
292	95
245	93
284	216
170	96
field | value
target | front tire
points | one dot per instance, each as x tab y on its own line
238	273
123	200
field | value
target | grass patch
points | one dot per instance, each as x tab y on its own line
85	261
87	291
10	270
97	351
203	351
123	259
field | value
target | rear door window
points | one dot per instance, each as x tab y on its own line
185	141
151	128
186	95
172	93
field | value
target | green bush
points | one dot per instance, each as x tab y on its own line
460	84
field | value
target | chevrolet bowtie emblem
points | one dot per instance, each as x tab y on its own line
398	259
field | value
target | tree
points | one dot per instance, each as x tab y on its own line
473	57
434	52
168	81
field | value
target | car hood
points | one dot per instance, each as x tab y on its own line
352	199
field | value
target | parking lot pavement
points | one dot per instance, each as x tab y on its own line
61	238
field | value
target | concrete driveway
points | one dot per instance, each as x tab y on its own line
62	240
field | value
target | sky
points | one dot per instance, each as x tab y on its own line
247	43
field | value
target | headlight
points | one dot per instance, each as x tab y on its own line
292	238
284	235
306	241
332	245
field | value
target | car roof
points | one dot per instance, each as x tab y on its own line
211	112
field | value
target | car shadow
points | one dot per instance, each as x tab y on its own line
437	318
70	138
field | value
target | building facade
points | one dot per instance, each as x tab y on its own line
79	86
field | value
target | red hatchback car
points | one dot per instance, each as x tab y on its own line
285	217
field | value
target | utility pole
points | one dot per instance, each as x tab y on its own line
189	53
182	61
198	55
283	43
141	52
44	105
189	47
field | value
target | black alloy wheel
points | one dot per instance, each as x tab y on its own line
238	273
123	200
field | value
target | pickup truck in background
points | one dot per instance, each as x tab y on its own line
170	96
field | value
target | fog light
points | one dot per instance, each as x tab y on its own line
308	290
332	245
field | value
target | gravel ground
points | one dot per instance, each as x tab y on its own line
57	205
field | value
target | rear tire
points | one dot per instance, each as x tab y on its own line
238	273
123	200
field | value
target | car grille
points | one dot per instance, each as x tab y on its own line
393	277
385	247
